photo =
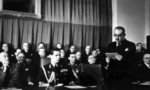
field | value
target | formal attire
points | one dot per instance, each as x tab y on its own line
63	61
118	70
19	75
13	59
67	53
138	58
28	54
143	72
55	74
38	61
76	71
84	57
78	61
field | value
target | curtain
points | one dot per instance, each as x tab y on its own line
70	22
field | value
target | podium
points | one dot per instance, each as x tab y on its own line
93	72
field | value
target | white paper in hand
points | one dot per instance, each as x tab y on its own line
111	55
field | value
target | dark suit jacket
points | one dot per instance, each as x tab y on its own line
19	75
143	73
119	69
126	48
84	57
37	63
28	55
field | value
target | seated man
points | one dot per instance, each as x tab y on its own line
63	60
91	59
142	72
39	59
40	45
84	56
27	52
14	56
54	73
140	50
74	66
19	74
6	48
71	50
78	57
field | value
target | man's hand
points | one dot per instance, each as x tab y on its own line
72	83
107	60
30	83
119	57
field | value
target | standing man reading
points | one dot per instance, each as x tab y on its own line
118	67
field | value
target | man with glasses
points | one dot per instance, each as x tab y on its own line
120	63
123	47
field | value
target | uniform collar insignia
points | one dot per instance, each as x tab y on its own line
50	66
48	72
64	70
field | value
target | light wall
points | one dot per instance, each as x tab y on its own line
133	15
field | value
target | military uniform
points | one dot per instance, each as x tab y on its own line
55	75
75	69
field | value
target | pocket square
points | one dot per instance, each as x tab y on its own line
127	49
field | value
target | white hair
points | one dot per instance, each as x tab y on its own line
2	55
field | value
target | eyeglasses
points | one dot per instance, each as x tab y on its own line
118	35
147	58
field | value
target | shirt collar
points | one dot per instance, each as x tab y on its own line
147	65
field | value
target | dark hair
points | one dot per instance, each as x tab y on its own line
6	44
138	44
60	44
52	51
72	53
41	43
120	28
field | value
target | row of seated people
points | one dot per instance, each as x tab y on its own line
23	69
81	57
29	54
34	61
